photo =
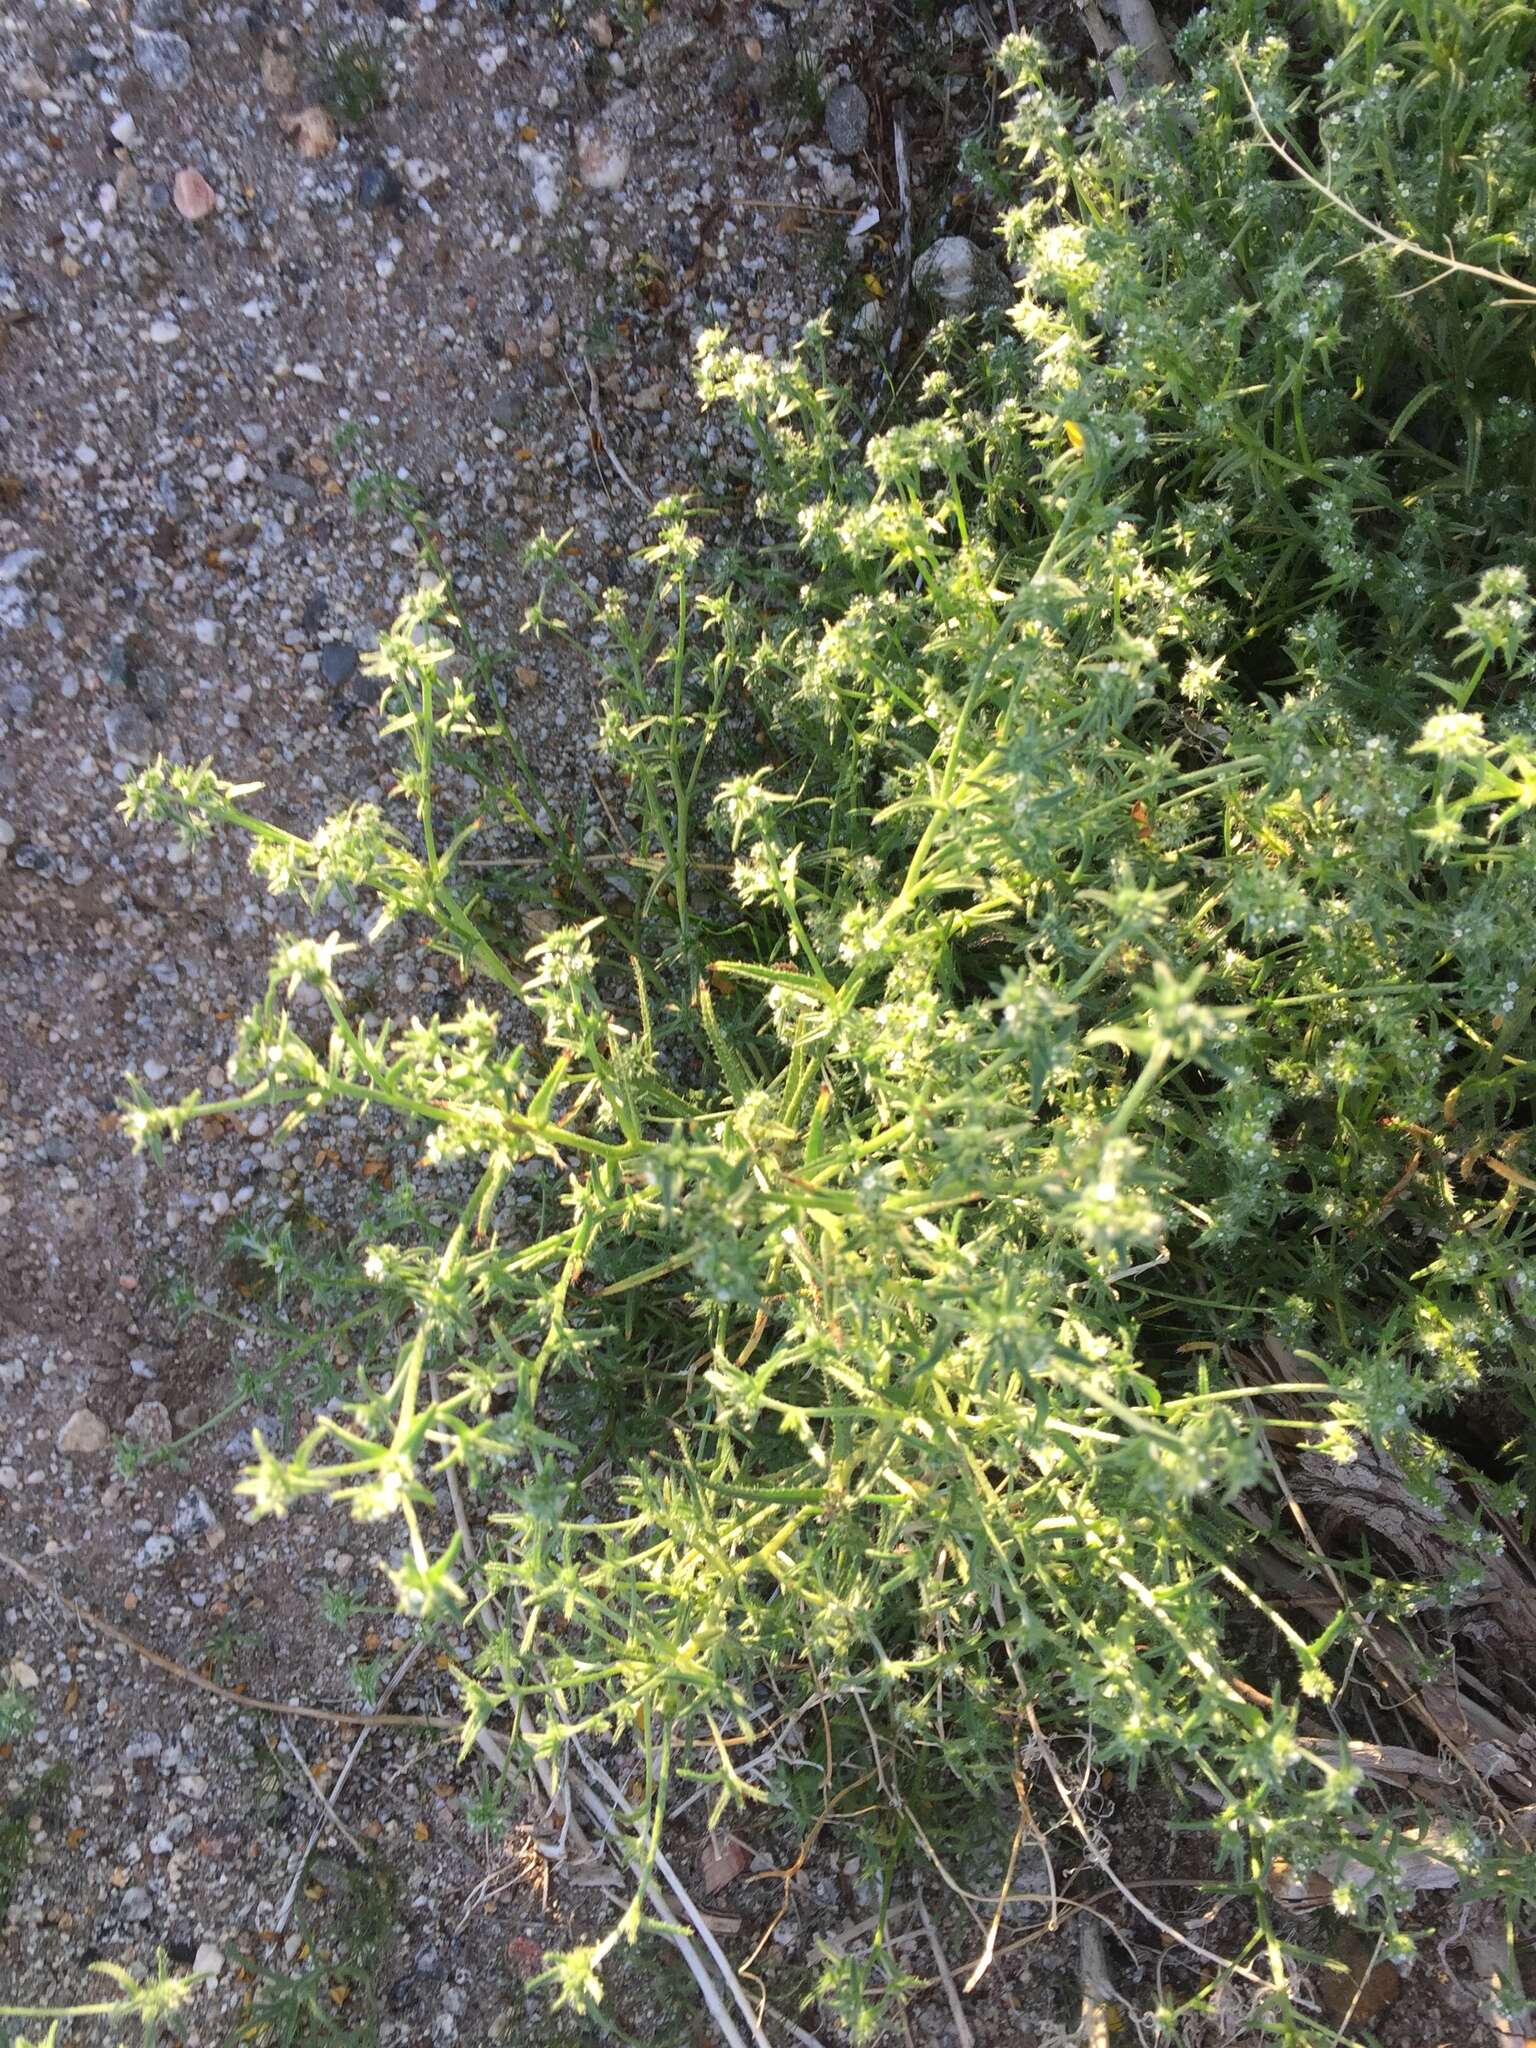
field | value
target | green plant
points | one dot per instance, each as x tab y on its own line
18	1717
151	2003
1080	858
335	1991
354	79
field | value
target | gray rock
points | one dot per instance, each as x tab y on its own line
299	488
15	608
136	1903
378	186
18	565
153	1552
84	1435
156	688
164	58
241	1448
130	737
505	410
149	1425
954	275
338	663
157	14
19	701
847	119
193	1515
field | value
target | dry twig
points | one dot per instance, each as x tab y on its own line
337	1717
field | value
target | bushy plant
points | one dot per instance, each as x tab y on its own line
1080	872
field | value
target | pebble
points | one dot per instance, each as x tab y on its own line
312	131
602	159
157	14
154	1551
338	663
951	272
164	58
279	74
136	1903
149	1425
164	332
192	1515
125	131
847	119
193	194
129	734
377	186
84	1435
209	1960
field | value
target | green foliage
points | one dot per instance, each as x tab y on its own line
17	1715
354	79
1075	926
152	2003
335	1990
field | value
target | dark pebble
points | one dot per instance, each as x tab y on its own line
505	410
378	187
299	488
312	618
338	663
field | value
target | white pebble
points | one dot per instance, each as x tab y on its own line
163	332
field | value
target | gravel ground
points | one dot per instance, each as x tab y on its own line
220	308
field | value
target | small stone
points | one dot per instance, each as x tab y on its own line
149	1425
136	1904
192	1516
153	1552
208	1961
279	74
84	1435
15	608
505	410
548	180
338	663
377	186
125	131
163	333
157	13
129	735
164	58
19	701
208	632
602	159
236	470
955	275
312	131
193	194
847	119
19	563
22	1676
